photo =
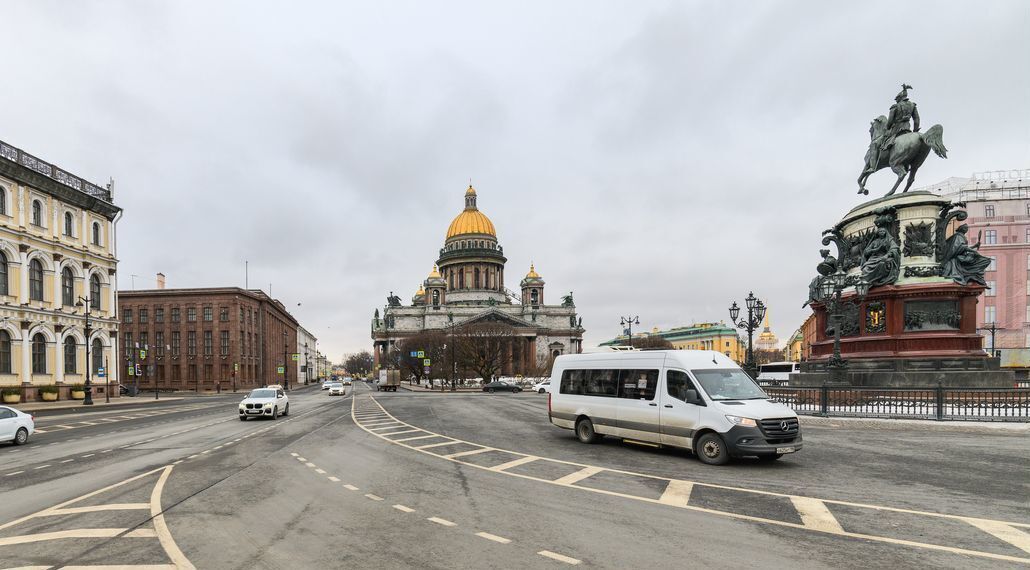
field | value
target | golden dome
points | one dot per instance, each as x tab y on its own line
435	273
471	220
532	272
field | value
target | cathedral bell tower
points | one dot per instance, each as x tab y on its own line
436	289
532	288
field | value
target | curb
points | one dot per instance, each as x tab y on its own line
35	407
913	424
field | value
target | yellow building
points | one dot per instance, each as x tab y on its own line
698	336
57	262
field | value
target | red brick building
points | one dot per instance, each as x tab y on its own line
204	339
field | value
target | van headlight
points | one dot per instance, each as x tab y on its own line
739	421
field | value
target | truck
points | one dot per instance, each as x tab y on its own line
388	380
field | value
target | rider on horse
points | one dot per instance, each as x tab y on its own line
902	111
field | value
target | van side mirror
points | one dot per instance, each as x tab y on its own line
694	398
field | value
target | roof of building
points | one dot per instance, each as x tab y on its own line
471	221
255	294
532	272
696	330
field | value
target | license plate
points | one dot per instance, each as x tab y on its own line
785	450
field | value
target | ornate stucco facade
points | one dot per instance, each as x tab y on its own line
467	286
57	247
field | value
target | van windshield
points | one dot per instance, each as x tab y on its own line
729	384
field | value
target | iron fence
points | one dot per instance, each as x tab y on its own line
934	403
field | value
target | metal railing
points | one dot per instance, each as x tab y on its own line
932	403
15	154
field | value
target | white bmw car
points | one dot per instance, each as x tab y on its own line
16	426
265	403
337	389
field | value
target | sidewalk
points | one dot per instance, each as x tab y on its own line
421	388
97	403
914	425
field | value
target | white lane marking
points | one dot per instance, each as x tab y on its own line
373	497
416	437
493	537
295	454
205	451
192	456
559	557
334	479
88	455
161	527
442	443
399	432
107	451
302	459
310	464
381	428
404	509
42	466
14	473
815	515
470	452
1009	534
441	521
350	487
96	508
573	478
67	461
320	471
677	493
74	533
514	463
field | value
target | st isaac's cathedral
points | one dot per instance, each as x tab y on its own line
466	286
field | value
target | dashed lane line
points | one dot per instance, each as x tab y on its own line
334	479
442	522
470	452
350	487
813	512
559	557
373	497
404	509
493	537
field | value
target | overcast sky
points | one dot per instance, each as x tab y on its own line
659	159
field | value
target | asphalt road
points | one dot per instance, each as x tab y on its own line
483	481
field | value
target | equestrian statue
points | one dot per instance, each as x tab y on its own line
897	143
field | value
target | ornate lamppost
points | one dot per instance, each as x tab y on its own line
627	323
831	287
750	323
88	400
992	327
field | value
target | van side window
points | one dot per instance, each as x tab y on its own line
638	384
572	382
603	383
678	383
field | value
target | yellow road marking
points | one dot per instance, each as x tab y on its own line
95	508
163	535
677	493
442	443
493	537
815	515
373	497
514	463
320	471
1005	532
74	533
470	452
414	438
350	487
334	479
559	557
573	478
441	521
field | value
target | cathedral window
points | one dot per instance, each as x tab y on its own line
475	278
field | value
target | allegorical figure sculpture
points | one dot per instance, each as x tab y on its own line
881	259
962	262
895	142
827	266
393	300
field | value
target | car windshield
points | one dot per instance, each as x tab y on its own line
729	384
262	394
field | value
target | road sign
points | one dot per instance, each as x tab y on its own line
236	366
421	354
414	354
280	369
425	370
426	361
296	357
101	372
132	370
139	372
142	355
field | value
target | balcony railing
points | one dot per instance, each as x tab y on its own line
52	172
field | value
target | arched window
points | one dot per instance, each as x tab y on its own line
436	297
534	296
96	353
461	279
94	292
39	354
35	280
37	213
68	224
69	355
3	200
475	278
3	274
67	287
5	352
96	233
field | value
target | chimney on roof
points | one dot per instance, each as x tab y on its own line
160	280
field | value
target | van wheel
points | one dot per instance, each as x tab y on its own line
710	449
585	431
22	437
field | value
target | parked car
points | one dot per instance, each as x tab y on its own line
265	402
542	387
16	426
501	386
337	389
326	384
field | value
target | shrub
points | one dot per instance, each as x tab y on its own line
78	388
48	389
10	392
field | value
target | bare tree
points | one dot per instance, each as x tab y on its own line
651	341
360	363
482	348
431	345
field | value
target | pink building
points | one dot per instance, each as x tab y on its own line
998	204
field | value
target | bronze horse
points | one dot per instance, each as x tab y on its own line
906	155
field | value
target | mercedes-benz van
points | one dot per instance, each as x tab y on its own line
698	400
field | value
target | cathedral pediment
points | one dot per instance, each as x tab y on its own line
495	315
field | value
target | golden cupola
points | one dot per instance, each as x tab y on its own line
471	221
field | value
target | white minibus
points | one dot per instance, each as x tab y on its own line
698	400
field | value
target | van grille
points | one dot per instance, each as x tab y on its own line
780	427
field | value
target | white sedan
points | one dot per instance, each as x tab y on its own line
542	387
16	426
337	389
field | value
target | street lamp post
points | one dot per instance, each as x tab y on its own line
831	289
755	315
286	366
628	322
992	328
88	400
